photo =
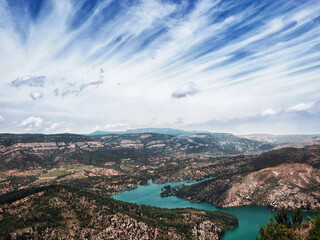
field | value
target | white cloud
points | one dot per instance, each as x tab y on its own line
1	118
114	126
301	107
31	123
185	90
36	95
56	125
52	127
110	127
269	112
241	66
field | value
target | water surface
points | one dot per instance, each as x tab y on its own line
249	217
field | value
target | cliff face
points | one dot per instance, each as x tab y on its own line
57	212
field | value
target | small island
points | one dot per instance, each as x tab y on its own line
167	191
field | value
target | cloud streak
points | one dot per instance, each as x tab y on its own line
121	61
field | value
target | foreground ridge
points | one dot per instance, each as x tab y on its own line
61	212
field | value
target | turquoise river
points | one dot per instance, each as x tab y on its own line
249	217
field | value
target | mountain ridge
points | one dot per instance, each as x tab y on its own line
170	131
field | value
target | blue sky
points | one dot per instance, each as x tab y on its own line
235	66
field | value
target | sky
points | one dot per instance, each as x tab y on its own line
239	66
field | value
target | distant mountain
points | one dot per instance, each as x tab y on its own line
280	139
170	131
301	144
33	151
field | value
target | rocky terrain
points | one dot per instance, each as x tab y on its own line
27	151
288	185
59	212
238	173
281	178
111	163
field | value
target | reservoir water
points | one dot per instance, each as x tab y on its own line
249	217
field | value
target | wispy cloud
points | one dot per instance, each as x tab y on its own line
282	122
31	81
95	83
119	59
54	126
110	127
301	107
115	126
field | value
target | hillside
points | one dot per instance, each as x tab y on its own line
301	144
280	139
112	163
286	177
59	212
46	151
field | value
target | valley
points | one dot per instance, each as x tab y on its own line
230	172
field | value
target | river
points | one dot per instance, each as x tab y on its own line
249	217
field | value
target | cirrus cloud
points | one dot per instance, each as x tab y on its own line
245	56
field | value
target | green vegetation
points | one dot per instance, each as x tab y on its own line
314	233
122	162
55	173
214	190
282	227
49	159
55	206
284	155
